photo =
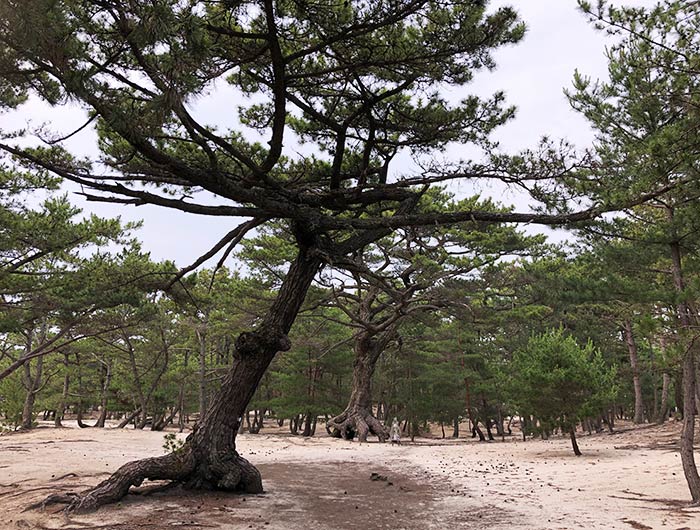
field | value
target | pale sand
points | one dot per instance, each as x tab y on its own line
630	480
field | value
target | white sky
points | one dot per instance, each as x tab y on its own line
533	75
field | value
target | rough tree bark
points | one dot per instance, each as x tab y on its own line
685	319
634	364
357	419
209	459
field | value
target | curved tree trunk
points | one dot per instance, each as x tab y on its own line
127	418
574	444
477	431
257	423
166	420
357	418
209	458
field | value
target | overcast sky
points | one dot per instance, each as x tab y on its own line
533	75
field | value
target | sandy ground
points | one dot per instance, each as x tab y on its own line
629	480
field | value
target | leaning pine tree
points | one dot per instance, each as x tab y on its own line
359	80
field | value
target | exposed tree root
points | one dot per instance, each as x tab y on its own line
357	422
228	472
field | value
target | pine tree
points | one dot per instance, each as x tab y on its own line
560	383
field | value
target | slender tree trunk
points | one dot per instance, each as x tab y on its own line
455	427
309	425
634	364
138	387
653	412
33	382
181	408
257	423
79	417
478	431
499	425
64	395
663	409
294	424
28	381
678	391
105	395
487	423
688	433
468	402
574	443
165	420
687	437
202	338
127	419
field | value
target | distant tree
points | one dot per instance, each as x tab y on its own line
419	379
402	275
56	272
310	380
560	383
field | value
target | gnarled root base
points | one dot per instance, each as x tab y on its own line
229	472
357	422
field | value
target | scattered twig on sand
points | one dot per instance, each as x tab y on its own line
637	525
63	476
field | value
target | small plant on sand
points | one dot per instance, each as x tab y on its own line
172	443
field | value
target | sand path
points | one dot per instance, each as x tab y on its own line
631	480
